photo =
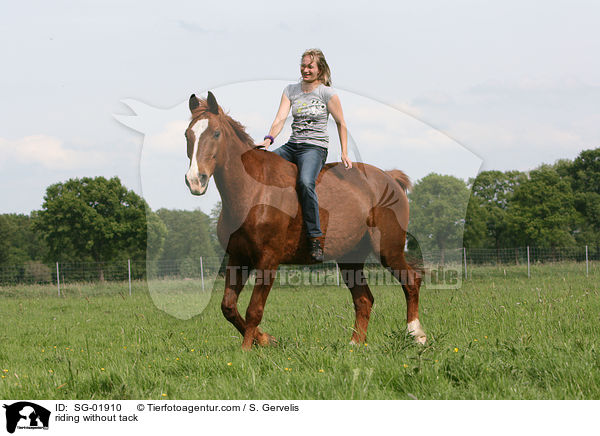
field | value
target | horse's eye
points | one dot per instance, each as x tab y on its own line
216	134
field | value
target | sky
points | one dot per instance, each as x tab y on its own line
448	87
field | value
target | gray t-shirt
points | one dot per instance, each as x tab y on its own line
310	114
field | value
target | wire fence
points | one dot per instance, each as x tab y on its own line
459	262
520	256
36	272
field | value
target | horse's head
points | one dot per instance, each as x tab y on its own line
204	142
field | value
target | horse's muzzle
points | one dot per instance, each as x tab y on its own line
197	183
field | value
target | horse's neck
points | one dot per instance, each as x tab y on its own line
234	184
250	178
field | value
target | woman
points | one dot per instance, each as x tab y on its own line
311	101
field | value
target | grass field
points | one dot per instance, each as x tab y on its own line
502	336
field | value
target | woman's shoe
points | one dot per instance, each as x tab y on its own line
316	252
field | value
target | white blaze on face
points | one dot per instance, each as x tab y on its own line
197	128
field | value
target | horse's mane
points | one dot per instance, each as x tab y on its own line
237	127
239	130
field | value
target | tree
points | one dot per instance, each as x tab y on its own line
4	243
585	171
156	236
214	220
542	210
438	206
584	176
188	234
491	193
92	219
19	243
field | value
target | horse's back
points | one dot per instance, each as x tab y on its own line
347	201
363	183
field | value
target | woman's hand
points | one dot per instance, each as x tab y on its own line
347	162
266	143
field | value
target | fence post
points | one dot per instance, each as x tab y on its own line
202	273
129	274
58	278
465	256
337	274
587	269
528	270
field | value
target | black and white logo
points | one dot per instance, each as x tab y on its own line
26	415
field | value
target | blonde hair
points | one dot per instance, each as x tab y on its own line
324	71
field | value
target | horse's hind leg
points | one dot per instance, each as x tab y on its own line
411	284
388	241
354	277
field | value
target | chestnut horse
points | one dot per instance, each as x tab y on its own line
362	210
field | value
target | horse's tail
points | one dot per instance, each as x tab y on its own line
401	178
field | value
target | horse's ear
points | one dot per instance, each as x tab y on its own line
213	106
194	103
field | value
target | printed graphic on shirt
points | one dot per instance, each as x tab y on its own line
314	107
310	114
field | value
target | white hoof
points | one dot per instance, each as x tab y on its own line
416	331
421	339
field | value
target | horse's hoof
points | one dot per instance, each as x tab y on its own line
416	331
421	339
265	340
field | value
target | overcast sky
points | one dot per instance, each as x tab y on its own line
452	87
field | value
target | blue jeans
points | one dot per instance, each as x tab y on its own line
309	159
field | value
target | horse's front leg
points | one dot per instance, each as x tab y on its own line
235	279
264	281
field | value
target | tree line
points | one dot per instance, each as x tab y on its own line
99	220
550	206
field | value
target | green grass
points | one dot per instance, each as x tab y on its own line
499	337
